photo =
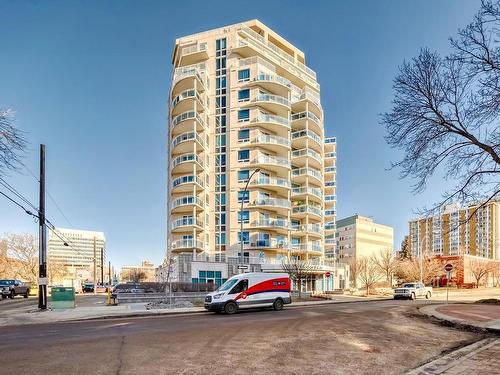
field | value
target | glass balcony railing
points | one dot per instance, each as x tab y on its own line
272	78
315	228
272	139
186	222
316	210
275	202
187	201
330	169
187	244
330	183
276	181
307	190
330	197
191	179
306	133
272	160
191	115
330	155
272	119
187	158
331	140
188	94
307	171
312	246
199	47
306	115
270	223
329	212
307	152
189	137
272	99
190	71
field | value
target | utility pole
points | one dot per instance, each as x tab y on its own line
109	274
42	237
102	266
95	268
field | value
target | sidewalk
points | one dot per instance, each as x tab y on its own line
481	316
35	316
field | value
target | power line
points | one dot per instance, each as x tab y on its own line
17	193
19	205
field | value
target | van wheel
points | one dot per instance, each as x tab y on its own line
412	297
428	295
230	308
278	305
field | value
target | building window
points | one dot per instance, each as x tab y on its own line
243	195
244	155
243	175
243	135
246	237
244	95
244	75
243	115
245	215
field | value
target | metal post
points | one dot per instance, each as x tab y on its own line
102	266
422	260
109	273
42	237
95	267
241	216
447	282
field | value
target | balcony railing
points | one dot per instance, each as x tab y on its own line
275	202
191	115
306	115
270	223
312	246
306	133
187	244
199	47
186	95
307	209
187	201
186	158
315	228
272	139
330	183
186	222
276	181
330	212
262	77
191	179
330	155
330	169
188	71
272	99
307	190
272	160
331	140
256	60
189	137
272	119
330	197
307	171
307	152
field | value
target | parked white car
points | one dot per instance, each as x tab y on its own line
413	291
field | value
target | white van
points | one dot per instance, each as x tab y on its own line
249	290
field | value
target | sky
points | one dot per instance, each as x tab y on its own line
90	80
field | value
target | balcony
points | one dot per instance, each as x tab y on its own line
187	100
329	140
187	163
272	82
185	224
272	183
314	194
330	197
307	99
301	157
271	244
188	142
314	229
307	247
273	161
189	77
186	184
279	225
330	169
302	119
187	245
272	143
330	155
187	121
186	204
192	54
330	212
307	139
272	103
299	176
279	205
330	227
271	121
303	210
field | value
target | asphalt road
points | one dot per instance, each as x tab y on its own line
382	337
83	300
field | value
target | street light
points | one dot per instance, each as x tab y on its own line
241	213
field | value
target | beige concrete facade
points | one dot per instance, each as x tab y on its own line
472	230
242	99
359	236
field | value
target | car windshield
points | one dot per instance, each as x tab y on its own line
227	285
408	285
7	282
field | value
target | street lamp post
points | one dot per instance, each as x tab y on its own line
241	214
421	260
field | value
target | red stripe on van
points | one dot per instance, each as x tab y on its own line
272	285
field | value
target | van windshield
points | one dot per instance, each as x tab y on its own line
227	285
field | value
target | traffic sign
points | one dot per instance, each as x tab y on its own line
328	274
448	267
242	267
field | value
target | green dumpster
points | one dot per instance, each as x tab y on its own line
63	297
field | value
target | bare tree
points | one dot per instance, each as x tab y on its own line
12	142
353	272
22	256
386	263
495	274
445	113
134	275
368	273
298	270
408	270
480	269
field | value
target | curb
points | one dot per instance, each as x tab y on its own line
446	362
430	310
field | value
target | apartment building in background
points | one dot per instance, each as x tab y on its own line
451	233
244	108
77	258
359	236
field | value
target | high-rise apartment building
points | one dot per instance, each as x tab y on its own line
471	230
360	236
79	254
244	108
